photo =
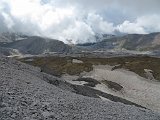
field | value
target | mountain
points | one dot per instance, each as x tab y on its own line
35	45
11	37
9	51
100	37
137	42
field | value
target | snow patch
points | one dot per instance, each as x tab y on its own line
135	88
76	61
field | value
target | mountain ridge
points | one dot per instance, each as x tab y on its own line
138	42
36	45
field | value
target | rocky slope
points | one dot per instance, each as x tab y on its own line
25	94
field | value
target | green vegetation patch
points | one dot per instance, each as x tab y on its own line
58	65
61	65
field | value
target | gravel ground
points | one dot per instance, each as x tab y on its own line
25	95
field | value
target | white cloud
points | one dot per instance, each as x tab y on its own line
129	27
141	25
79	33
56	22
78	20
8	20
99	25
150	23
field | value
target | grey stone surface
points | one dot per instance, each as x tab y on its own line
25	95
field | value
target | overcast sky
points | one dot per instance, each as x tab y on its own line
79	20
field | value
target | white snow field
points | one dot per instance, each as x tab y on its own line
137	89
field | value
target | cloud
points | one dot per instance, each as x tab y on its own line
141	25
99	25
79	33
79	20
8	20
128	27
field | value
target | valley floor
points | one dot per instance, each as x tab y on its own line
132	80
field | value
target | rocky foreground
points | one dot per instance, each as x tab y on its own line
28	94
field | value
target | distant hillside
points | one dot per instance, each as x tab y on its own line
137	42
36	45
8	51
11	37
